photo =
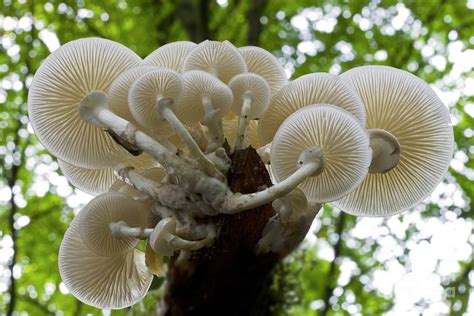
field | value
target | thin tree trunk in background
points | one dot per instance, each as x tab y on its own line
194	15
12	178
255	27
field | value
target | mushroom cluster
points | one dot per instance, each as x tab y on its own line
150	137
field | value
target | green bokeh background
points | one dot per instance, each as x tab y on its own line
36	204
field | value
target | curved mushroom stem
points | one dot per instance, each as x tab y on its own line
94	109
182	244
310	163
213	121
241	139
163	106
121	230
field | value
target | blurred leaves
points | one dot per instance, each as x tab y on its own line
307	36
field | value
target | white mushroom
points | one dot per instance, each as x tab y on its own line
220	59
411	137
165	242
205	98
263	63
251	97
320	148
317	88
113	282
171	55
59	85
342	140
111	224
118	92
146	91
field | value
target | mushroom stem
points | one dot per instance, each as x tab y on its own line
241	139
94	109
140	182
168	195
122	230
163	106
385	151
213	121
310	163
182	244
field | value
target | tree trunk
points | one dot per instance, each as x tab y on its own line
227	278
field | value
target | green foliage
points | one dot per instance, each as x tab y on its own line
305	281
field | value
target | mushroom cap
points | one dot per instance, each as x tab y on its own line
317	88
256	86
158	240
97	181
60	84
171	55
405	106
144	92
263	63
104	282
230	127
199	84
118	91
343	141
221	59
103	210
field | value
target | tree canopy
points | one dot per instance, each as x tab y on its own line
419	261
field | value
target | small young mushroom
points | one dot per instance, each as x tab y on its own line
411	138
221	59
165	242
205	98
251	97
202	93
97	181
146	91
112	223
112	282
263	63
60	84
119	89
341	139
317	88
170	56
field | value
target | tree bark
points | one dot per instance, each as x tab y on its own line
227	278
